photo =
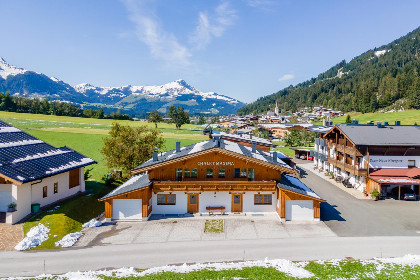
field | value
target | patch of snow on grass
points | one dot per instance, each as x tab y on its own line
69	239
34	237
92	223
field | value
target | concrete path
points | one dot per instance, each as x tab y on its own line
10	235
348	216
147	255
259	226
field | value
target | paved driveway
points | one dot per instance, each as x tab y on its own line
10	235
349	216
237	227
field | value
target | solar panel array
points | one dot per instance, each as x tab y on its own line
25	158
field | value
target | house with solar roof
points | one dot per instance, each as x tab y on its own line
216	176
34	172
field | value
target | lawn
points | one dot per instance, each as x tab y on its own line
214	226
69	216
406	117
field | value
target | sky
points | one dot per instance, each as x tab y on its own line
244	49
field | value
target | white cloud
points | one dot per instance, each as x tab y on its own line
212	25
286	77
162	45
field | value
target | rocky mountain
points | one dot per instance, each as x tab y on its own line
385	78
135	100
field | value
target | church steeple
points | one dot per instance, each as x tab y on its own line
276	110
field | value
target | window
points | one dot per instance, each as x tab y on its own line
190	173
178	174
262	199
222	173
251	174
243	172
55	187
166	199
209	173
237	173
411	163
193	172
44	191
74	178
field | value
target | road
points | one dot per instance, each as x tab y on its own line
158	254
349	216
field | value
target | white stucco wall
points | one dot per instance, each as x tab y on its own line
5	196
207	199
28	193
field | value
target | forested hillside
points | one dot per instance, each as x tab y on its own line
384	78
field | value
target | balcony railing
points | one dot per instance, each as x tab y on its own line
197	186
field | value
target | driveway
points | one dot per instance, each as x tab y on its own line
349	216
10	235
236	227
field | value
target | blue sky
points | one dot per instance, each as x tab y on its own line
241	48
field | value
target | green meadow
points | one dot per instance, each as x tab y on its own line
406	117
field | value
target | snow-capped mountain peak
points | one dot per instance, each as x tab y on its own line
7	70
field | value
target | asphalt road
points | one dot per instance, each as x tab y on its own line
158	254
349	216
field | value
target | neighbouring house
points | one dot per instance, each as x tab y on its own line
383	157
214	174
34	172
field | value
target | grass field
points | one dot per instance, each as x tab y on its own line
86	135
406	117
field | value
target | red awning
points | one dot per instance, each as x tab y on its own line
396	172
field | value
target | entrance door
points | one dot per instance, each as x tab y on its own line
192	203
237	202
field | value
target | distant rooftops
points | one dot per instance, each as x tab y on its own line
382	134
244	137
24	158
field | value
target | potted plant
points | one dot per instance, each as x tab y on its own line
331	175
365	193
375	195
11	207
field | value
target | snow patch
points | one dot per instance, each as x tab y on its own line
379	53
20	143
42	155
9	70
69	240
198	147
9	129
92	223
35	236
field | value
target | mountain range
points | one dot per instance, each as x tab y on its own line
382	79
134	100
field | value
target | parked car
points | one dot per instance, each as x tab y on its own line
302	157
310	158
410	196
404	191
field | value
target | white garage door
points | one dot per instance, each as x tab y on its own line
299	210
5	200
126	209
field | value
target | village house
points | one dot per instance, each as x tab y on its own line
383	157
209	177
35	174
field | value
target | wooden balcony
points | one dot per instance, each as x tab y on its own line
348	167
200	186
347	150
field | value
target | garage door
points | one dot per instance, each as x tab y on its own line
299	210
126	209
5	200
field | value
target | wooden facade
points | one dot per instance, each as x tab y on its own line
284	195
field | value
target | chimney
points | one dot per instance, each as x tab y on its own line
379	124
178	146
275	156
155	155
254	147
397	123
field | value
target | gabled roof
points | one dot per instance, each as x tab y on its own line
24	158
214	144
134	183
386	135
293	184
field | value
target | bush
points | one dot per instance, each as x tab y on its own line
87	174
375	193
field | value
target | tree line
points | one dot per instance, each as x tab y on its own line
49	107
369	82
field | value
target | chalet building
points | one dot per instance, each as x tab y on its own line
246	140
34	172
214	175
382	156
